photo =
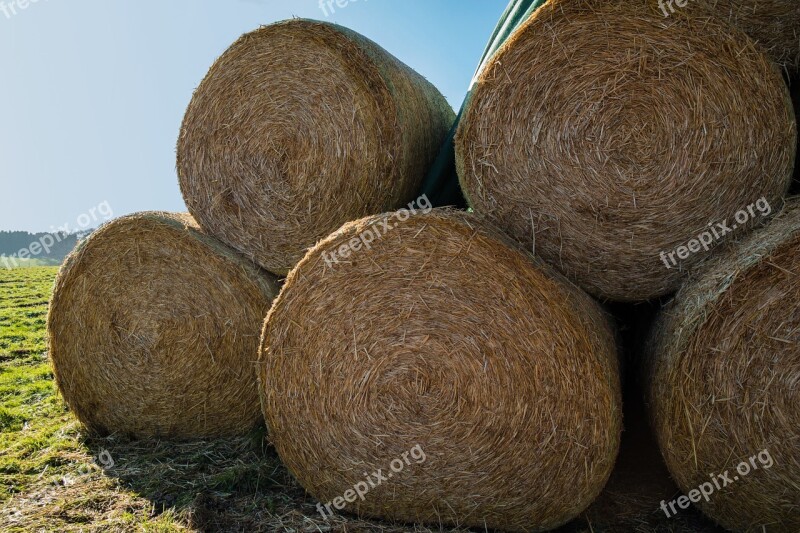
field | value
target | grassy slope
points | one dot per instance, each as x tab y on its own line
50	479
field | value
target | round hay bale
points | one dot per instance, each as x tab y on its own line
154	328
724	380
774	24
604	136
299	127
440	337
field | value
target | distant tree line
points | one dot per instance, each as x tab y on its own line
38	245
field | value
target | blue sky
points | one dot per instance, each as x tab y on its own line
94	91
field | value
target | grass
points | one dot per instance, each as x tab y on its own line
54	477
10	263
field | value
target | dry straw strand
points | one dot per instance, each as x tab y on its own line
154	328
723	369
604	133
299	127
443	335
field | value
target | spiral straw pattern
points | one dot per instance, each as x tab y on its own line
442	335
603	134
300	127
154	328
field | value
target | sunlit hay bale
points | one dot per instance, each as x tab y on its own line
603	134
154	329
300	127
441	336
774	24
724	380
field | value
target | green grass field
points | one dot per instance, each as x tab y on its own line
54	477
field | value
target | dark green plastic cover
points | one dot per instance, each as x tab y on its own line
441	183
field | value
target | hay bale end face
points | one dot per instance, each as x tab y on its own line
441	336
603	135
154	328
723	375
300	127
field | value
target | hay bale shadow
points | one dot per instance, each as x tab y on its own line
228	484
239	484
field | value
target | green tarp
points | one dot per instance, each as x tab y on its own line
441	183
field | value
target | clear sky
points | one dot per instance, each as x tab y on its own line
93	91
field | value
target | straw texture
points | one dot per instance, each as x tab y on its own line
604	133
795	90
154	329
442	335
298	128
724	378
774	24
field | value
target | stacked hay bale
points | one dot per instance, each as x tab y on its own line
440	336
153	329
604	134
724	369
300	127
428	346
